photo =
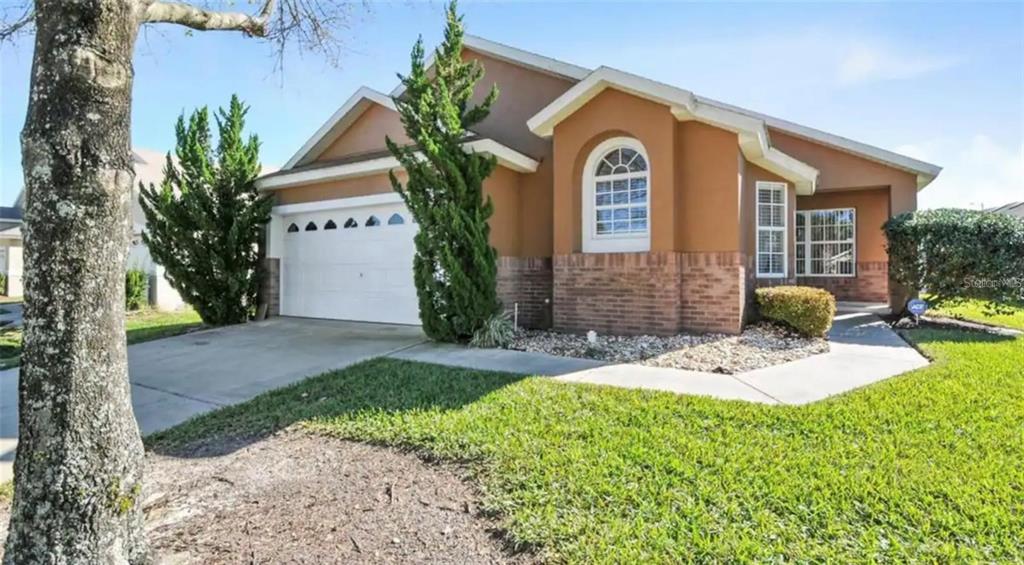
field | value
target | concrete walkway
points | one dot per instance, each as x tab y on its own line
863	350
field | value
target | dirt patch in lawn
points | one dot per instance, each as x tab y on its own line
302	498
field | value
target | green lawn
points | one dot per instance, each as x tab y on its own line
928	466
974	311
143	325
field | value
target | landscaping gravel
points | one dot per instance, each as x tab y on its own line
760	345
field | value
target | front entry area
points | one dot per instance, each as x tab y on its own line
350	263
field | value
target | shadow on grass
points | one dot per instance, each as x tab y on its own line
371	387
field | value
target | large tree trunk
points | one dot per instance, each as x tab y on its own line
78	471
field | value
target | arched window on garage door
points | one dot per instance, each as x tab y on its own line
372	221
396	219
310	226
351	223
330	225
293	228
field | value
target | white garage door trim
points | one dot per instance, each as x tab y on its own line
360	273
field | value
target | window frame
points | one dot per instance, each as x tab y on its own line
808	243
612	242
784	229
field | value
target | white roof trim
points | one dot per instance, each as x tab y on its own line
323	174
515	56
337	204
753	137
339	122
926	172
521	57
507	157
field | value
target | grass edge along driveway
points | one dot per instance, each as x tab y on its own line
926	466
140	326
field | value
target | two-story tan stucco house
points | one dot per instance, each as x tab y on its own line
622	205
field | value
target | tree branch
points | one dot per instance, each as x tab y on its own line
8	31
198	18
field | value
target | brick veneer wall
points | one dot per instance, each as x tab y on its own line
526	281
714	297
871	284
272	285
648	293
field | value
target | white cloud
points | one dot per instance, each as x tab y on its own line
980	173
861	63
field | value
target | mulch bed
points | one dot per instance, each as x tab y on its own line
760	345
303	498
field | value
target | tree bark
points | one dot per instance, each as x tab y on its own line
78	470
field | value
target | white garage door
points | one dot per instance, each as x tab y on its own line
350	264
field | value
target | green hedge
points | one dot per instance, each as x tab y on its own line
807	310
958	254
136	289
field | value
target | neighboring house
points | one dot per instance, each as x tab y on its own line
148	169
622	205
1015	209
10	248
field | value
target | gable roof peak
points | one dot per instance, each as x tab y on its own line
341	120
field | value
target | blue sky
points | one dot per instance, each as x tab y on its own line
943	82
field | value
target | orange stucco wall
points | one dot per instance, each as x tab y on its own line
501	186
707	188
612	113
366	134
695	173
522	93
842	170
872	208
702	189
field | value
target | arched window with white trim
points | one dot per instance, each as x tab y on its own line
616	197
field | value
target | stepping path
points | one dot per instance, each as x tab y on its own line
863	350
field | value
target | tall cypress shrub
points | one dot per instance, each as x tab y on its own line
204	221
455	267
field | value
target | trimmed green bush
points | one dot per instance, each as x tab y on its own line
955	255
3	284
136	289
807	310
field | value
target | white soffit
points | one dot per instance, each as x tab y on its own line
340	121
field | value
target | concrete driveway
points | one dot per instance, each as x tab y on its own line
176	378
